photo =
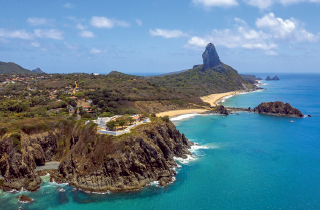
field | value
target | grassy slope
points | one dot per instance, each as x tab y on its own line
12	68
199	83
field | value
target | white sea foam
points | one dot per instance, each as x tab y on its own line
182	117
55	183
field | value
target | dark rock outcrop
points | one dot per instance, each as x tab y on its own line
220	109
210	57
24	199
126	163
38	71
277	108
274	78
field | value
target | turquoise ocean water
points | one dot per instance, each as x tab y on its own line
245	161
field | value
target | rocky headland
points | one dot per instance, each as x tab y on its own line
126	163
94	162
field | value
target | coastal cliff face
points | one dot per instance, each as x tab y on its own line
124	163
210	57
277	108
19	156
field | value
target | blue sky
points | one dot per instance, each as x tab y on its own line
160	36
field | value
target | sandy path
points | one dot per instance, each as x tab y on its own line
48	166
213	98
175	113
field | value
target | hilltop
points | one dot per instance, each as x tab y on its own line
38	71
211	77
12	68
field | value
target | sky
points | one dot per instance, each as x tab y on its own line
152	37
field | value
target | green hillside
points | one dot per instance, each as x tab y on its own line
12	68
198	82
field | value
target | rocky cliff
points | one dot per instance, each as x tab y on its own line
277	108
124	163
19	156
92	161
210	57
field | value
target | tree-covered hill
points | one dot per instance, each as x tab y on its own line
199	82
12	68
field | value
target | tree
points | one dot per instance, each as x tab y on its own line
112	125
79	94
131	120
122	122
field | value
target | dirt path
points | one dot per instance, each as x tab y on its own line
74	90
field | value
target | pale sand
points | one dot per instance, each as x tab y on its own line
175	113
213	98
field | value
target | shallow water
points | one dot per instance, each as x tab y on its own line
245	161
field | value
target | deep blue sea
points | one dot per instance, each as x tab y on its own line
245	161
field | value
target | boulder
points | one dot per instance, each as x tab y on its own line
24	199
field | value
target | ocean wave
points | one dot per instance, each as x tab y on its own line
182	117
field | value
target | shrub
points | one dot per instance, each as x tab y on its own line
126	149
153	115
165	118
106	114
86	115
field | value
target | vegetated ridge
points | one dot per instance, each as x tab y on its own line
12	68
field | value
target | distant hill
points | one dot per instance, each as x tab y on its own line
211	77
12	68
38	71
199	82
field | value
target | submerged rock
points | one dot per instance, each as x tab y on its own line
277	108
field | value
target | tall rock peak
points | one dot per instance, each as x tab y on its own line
210	57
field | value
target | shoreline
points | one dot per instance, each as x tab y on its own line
176	113
214	99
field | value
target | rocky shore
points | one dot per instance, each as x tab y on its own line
95	162
125	164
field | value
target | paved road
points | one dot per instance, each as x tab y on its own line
48	166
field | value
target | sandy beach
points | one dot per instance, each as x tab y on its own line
175	113
214	98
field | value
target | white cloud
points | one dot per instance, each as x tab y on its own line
33	21
139	22
261	4
80	26
35	44
216	3
87	34
240	36
288	30
167	33
49	33
19	34
68	5
265	4
104	22
95	51
71	47
271	53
